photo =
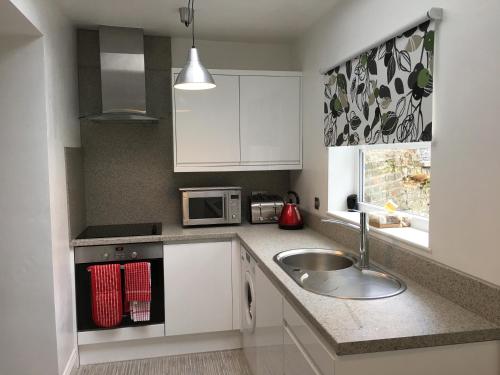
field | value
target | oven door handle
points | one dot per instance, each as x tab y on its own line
122	267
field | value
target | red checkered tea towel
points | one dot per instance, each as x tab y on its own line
106	295
138	290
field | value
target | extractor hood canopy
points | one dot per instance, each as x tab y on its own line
123	79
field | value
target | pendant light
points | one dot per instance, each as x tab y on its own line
194	76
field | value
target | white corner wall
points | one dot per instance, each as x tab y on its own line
236	55
465	160
62	130
27	325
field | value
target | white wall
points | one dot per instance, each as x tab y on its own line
61	106
233	55
27	324
465	160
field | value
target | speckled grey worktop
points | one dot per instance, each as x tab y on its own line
416	318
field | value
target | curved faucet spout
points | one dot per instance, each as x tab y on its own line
364	245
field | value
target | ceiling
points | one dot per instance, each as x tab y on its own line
233	20
13	22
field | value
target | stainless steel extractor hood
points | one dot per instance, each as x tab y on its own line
123	79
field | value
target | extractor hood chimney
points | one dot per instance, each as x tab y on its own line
123	80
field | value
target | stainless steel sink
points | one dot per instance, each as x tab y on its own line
316	259
337	274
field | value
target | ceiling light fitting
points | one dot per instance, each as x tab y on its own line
194	76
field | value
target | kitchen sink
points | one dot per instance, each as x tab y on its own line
316	259
337	274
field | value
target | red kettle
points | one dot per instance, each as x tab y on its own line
290	215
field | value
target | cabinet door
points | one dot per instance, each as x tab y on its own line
198	291
270	120
296	360
308	340
206	125
268	326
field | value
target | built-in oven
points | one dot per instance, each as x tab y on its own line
211	206
85	257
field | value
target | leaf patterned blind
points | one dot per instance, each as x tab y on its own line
385	94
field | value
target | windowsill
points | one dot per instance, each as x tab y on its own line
405	237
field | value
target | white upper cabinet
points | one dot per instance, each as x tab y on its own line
206	124
270	125
251	121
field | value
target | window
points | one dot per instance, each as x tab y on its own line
402	175
379	173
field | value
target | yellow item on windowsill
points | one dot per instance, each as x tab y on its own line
390	206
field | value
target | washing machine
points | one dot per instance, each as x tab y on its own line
248	309
261	319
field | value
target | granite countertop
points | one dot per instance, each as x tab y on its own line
416	318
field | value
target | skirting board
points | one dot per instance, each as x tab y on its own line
72	363
159	347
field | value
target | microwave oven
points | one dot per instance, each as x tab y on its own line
211	206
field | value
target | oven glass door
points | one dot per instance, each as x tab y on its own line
84	297
204	207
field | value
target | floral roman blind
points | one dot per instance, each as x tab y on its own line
384	95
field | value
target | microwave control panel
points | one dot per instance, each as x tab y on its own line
234	206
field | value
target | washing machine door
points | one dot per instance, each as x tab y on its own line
249	302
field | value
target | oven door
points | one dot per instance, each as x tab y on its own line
204	207
84	297
89	333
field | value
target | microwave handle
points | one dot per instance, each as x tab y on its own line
185	208
225	203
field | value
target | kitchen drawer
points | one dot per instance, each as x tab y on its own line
311	344
296	360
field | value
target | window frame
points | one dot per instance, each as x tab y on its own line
417	222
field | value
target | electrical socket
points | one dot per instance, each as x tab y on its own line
316	203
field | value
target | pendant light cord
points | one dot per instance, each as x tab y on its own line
192	18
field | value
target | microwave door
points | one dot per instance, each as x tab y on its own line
205	208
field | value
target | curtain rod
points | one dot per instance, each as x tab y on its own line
431	14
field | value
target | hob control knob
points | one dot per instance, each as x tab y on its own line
105	255
133	255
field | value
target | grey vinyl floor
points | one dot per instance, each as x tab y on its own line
228	362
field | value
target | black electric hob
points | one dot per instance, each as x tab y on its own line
120	230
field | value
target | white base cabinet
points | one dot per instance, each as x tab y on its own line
296	360
198	288
268	326
305	353
319	357
465	359
252	120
